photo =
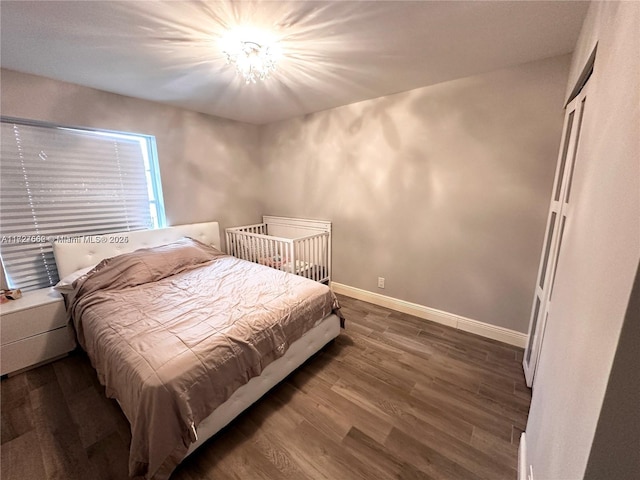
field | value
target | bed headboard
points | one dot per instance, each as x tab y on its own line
75	253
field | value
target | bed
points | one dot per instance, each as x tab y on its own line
295	245
183	336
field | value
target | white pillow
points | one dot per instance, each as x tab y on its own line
66	284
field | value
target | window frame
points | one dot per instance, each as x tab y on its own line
151	165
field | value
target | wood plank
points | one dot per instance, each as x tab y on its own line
63	455
425	458
373	453
21	458
394	396
109	457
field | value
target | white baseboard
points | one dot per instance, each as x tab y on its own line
522	459
456	321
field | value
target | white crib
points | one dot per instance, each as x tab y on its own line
294	245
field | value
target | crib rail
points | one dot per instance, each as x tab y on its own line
259	228
307	256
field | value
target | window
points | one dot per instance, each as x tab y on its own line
58	181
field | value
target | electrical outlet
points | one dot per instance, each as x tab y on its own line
380	282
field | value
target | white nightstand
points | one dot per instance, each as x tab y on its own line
33	330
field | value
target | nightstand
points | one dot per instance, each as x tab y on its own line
33	330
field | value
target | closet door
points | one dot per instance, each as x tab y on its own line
557	222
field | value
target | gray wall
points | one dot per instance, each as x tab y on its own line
442	190
615	452
208	165
596	268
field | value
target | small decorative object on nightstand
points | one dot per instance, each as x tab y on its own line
33	330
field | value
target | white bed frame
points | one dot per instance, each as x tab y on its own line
81	252
74	253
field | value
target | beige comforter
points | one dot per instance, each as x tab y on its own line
173	331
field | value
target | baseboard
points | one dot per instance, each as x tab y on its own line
456	321
522	458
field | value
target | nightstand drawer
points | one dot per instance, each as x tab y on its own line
32	321
36	349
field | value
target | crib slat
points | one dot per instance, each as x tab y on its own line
258	250
325	256
279	248
273	249
272	253
285	255
319	263
306	257
318	259
320	269
235	244
293	249
312	258
264	250
255	249
309	257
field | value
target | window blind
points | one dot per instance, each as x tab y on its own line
67	182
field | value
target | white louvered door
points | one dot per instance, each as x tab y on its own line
557	222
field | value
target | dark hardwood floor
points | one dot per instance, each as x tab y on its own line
393	396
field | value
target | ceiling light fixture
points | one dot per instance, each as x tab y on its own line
252	60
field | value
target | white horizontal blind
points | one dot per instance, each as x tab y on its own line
66	182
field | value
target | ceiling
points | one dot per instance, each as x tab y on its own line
335	53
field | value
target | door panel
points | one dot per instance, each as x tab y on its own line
558	221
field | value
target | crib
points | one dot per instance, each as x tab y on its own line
295	245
